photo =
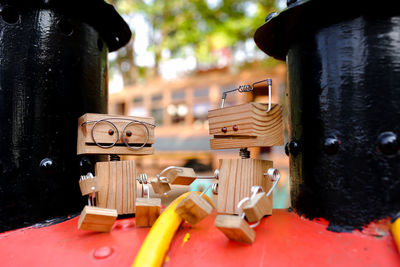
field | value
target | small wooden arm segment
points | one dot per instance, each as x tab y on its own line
257	207
160	187
89	185
97	219
180	175
235	228
193	208
115	134
147	211
246	125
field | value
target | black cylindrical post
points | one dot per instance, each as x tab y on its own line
53	69
344	92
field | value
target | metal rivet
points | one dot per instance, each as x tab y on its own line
103	252
331	145
111	132
294	148
388	143
224	129
46	165
85	165
128	133
287	149
235	128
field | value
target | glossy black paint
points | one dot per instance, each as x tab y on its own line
344	92
345	82
388	143
101	16
51	72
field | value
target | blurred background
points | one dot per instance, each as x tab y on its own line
182	56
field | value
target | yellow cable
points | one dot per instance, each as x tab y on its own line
158	240
395	227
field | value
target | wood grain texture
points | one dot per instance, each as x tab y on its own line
117	185
87	186
147	211
97	219
193	208
182	176
160	187
86	144
256	208
236	177
255	127
235	228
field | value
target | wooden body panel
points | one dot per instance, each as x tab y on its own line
117	185
97	219
235	228
236	177
86	144
246	125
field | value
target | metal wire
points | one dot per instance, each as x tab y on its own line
248	88
131	121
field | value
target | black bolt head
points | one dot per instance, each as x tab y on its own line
294	148
331	145
388	143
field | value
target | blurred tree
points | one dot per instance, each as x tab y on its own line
200	27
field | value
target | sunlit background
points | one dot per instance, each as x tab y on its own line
182	56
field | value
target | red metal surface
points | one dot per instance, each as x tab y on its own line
283	239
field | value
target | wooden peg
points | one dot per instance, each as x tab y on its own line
89	185
160	187
181	175
147	211
258	207
235	228
97	219
193	208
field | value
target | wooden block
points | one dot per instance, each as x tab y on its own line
181	175
87	186
235	228
97	219
117	185
147	211
87	145
246	125
256	208
193	208
160	187
236	177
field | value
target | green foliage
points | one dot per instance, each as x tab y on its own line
196	24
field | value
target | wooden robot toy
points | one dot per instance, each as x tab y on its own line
112	190
245	184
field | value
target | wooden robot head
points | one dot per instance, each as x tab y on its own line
114	134
247	125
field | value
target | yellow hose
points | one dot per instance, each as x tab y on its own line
158	240
395	227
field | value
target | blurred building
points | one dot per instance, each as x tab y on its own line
180	109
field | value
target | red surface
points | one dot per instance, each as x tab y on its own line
283	239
